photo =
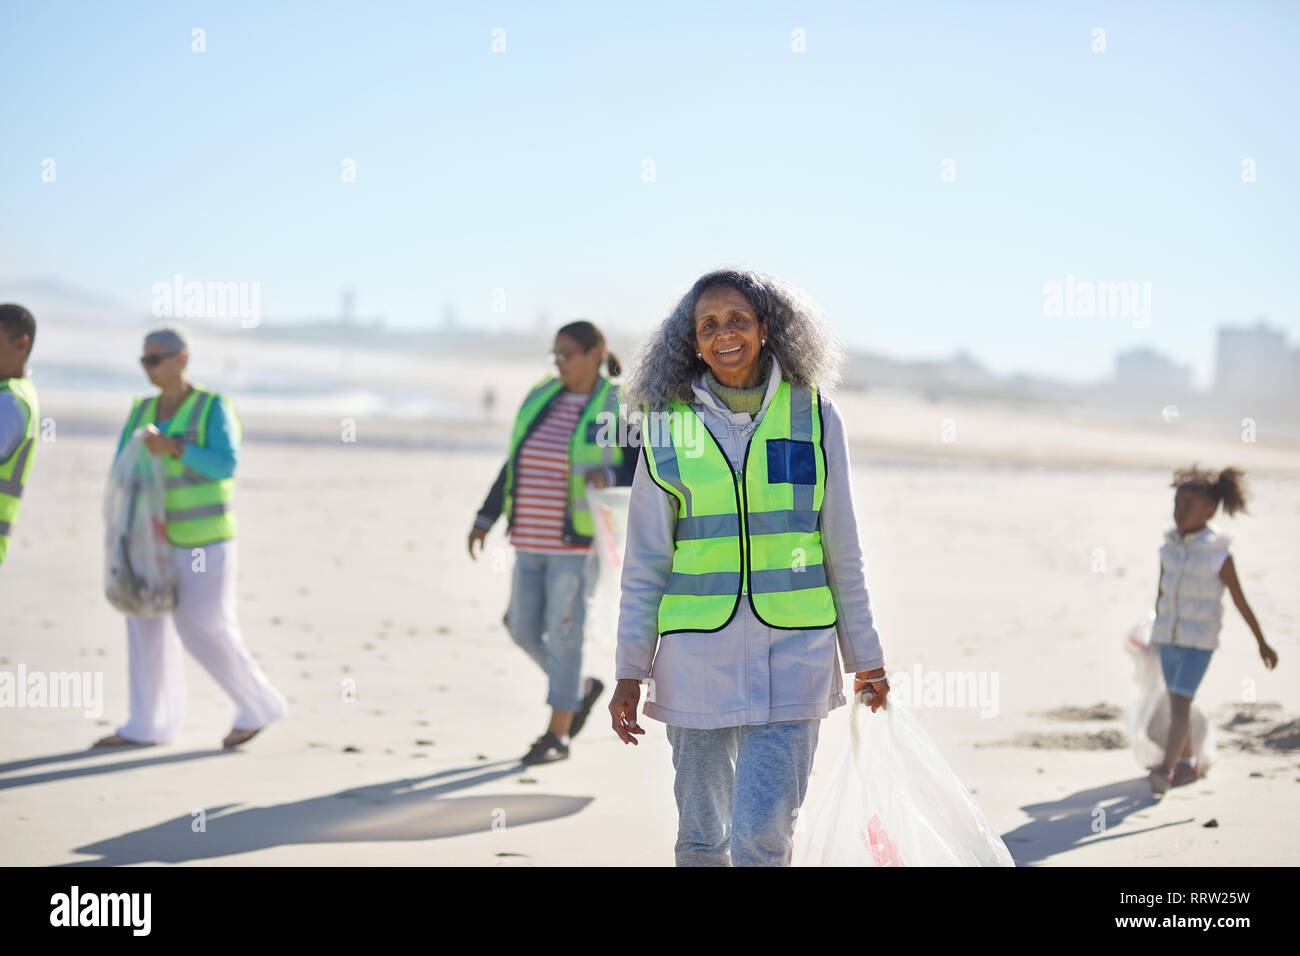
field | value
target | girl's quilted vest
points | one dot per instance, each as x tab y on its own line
1190	610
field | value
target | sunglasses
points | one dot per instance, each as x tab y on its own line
559	357
149	361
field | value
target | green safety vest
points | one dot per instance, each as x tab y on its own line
584	449
756	532
200	509
15	468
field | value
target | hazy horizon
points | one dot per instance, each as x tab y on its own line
924	193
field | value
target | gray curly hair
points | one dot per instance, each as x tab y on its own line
797	333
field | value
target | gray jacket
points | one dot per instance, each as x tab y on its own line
746	673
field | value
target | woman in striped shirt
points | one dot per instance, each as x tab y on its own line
550	525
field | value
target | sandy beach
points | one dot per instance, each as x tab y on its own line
353	576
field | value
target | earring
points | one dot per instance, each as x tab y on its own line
698	355
762	343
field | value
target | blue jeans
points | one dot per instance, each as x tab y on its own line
738	790
1183	668
549	597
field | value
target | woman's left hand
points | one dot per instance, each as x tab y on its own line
160	444
597	478
880	688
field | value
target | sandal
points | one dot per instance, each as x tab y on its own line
237	737
1160	780
117	740
1184	773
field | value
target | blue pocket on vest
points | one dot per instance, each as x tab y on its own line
791	461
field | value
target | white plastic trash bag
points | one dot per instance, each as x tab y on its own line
1146	716
139	577
608	508
892	800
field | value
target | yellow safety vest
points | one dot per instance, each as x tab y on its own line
587	447
15	469
200	510
754	532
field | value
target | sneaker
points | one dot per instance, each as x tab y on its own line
1185	773
1159	780
580	715
545	749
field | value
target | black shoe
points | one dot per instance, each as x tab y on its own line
580	715
546	748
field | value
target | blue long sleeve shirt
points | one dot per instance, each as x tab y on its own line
13	424
218	458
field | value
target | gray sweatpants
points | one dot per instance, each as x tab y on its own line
738	790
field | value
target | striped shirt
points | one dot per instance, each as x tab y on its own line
542	479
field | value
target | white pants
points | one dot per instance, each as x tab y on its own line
205	619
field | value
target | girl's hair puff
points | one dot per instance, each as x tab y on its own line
1228	487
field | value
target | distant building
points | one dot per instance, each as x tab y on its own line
963	370
1253	360
1143	371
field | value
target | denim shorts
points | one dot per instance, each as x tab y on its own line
1183	668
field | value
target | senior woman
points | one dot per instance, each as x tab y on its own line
743	577
197	433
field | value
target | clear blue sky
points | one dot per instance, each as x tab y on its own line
522	170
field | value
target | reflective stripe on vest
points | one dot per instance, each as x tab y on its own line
200	510
15	469
593	443
755	532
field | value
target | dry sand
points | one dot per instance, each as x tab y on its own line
353	566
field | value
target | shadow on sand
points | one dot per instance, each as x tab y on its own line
417	808
414	808
145	760
1062	825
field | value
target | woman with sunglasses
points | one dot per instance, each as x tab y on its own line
198	434
565	439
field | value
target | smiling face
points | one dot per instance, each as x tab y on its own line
1192	509
728	336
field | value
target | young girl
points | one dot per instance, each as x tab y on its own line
1194	568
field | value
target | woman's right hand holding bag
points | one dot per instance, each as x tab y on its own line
877	685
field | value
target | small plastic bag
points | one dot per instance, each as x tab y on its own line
139	577
1148	705
892	800
609	516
